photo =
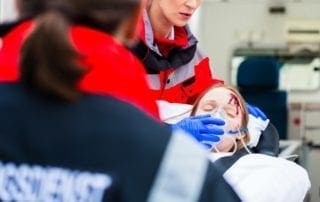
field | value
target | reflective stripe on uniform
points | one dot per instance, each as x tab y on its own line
184	72
154	81
182	171
178	75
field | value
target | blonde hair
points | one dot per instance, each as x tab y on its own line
245	116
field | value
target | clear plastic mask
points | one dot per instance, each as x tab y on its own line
221	114
228	133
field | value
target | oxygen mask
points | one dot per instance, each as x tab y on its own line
221	114
228	132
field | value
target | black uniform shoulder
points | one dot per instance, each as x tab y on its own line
98	133
5	28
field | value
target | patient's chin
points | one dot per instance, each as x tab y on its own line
225	145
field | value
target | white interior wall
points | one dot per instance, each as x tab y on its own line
226	24
7	10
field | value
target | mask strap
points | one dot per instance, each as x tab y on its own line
245	146
216	149
242	141
239	131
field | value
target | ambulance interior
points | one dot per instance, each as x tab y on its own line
288	32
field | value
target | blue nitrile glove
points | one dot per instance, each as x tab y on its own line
258	122
256	112
204	128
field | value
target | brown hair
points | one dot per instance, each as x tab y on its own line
245	117
28	8
49	62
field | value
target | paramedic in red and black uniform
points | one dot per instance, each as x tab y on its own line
177	70
60	142
122	76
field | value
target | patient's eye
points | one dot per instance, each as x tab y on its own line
209	106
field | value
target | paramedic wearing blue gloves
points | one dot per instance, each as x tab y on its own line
176	70
99	79
197	127
61	143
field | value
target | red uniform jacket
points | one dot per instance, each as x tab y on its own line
113	69
177	70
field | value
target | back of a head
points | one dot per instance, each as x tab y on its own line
49	61
28	8
104	14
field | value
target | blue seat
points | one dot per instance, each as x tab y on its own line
258	82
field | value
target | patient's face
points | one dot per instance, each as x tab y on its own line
227	104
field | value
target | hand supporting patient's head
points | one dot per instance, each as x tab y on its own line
225	102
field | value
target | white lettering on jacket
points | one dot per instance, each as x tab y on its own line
36	183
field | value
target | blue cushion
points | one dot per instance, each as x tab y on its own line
258	73
273	104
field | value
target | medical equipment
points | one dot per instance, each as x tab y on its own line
220	113
230	134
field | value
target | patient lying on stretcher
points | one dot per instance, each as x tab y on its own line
255	177
219	101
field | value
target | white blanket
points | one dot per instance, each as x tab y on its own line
262	178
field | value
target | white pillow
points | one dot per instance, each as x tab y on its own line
173	112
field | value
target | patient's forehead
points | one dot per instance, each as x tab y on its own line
223	98
220	95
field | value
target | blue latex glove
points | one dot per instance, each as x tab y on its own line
256	112
258	122
203	127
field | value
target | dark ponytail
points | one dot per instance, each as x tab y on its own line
49	63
